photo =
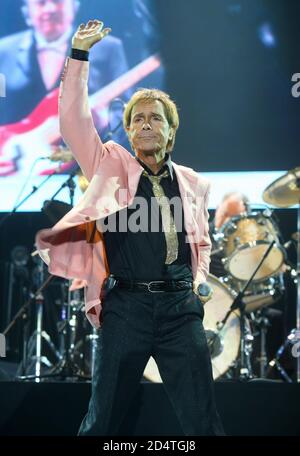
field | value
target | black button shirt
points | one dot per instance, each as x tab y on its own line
141	255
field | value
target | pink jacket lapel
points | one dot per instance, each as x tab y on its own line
134	173
187	184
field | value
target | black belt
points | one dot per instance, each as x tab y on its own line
155	286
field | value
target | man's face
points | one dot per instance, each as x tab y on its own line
51	18
149	130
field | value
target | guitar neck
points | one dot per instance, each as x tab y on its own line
104	96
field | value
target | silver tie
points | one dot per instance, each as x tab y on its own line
168	224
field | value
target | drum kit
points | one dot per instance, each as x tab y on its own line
243	240
253	258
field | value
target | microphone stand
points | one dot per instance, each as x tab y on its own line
65	369
38	297
238	303
67	183
22	312
34	190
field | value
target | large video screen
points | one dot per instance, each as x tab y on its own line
234	68
230	65
36	39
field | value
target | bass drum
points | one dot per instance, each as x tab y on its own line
224	345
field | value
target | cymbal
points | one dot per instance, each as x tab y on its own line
82	181
64	155
284	191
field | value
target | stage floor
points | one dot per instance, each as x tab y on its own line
257	407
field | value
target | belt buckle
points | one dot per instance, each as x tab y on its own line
154	281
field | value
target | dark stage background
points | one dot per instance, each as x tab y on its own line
229	64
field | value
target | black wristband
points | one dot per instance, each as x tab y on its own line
80	54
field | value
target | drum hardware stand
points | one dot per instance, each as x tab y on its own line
39	299
246	344
37	296
297	331
35	341
65	369
66	319
238	303
93	338
68	183
292	339
22	313
285	192
263	323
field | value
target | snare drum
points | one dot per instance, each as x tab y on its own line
245	239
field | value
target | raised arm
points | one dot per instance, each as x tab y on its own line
76	122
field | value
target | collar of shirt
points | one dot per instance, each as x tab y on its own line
168	164
57	45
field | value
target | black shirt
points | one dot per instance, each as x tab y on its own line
141	255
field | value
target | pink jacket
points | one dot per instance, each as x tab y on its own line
74	248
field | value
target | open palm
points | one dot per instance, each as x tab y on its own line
88	34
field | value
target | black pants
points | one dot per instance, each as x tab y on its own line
167	326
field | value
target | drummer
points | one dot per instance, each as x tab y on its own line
231	205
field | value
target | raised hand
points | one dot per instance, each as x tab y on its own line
88	34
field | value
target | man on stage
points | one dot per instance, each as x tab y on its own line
139	239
